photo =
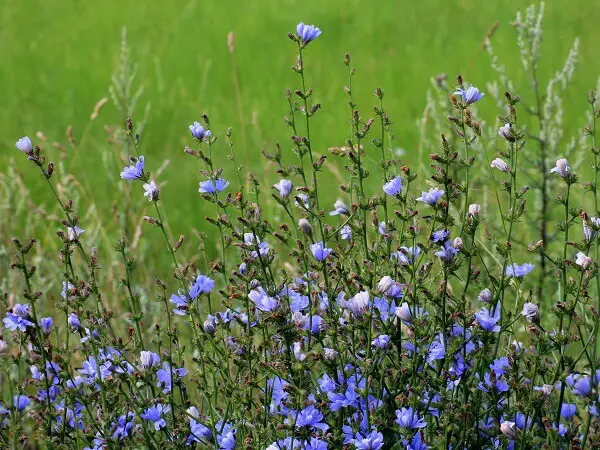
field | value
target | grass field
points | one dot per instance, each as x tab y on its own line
58	57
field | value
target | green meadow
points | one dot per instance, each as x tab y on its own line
58	58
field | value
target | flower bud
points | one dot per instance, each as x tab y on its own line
210	325
583	260
531	312
458	243
486	296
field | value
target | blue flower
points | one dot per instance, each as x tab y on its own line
251	240
470	95
440	235
431	197
154	414
580	384
515	270
93	371
307	33
135	171
198	431
315	444
225	435
262	301
319	251
312	418
406	255
346	233
562	168
14	322
123	426
213	187
500	365
409	419
372	441
437	350
487	321
393	187
20	402
568	410
416	443
382	341
199	132
284	187
46	323
448	252
164	376
24	144
202	285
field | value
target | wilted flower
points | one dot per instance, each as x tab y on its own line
319	251
505	132
330	354
340	208
73	233
24	144
531	312
199	132
562	168
393	187
500	165
485	296
134	171
213	187
307	33
151	191
305	226
518	271
583	260
284	187
470	95
431	197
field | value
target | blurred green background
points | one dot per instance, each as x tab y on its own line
58	57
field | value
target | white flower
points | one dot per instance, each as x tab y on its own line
505	133
562	168
457	243
385	284
500	165
474	210
583	260
508	429
359	304
151	191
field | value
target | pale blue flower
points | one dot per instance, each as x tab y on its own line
319	251
284	187
307	33
393	187
199	132
431	197
470	95
134	171
518	271
213	187
24	144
